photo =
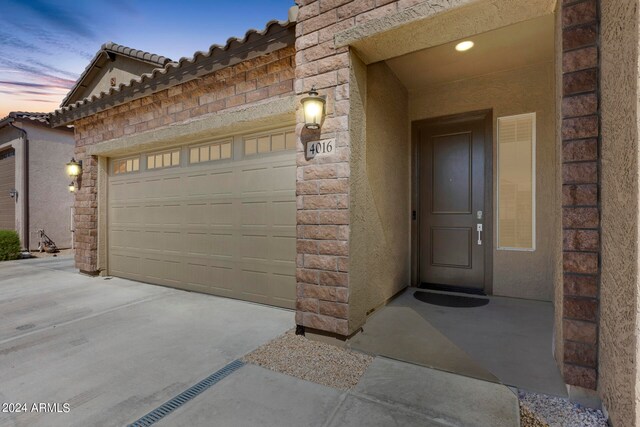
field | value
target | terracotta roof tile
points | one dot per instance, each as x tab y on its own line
214	50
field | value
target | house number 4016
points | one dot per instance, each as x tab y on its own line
322	148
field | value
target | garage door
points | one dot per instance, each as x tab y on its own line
218	218
7	183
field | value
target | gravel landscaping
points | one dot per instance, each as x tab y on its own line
538	410
310	360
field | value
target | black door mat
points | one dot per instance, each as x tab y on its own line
449	288
446	300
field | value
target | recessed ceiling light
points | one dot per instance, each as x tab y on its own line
464	46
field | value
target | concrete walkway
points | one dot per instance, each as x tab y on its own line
391	393
114	350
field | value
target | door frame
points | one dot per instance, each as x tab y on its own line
416	125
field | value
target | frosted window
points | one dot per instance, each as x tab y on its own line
516	182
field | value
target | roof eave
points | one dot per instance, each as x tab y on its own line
276	36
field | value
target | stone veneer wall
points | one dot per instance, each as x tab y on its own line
323	184
580	191
268	76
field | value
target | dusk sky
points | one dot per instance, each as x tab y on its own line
45	45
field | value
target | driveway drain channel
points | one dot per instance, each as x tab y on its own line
173	404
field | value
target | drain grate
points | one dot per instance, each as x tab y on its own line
173	404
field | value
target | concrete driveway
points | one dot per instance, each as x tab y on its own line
112	349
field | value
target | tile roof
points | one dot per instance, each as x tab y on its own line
111	47
141	83
37	117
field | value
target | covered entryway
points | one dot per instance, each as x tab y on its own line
472	116
216	217
7	183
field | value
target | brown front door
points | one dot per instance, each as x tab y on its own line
452	203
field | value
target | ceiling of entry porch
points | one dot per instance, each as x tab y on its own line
511	47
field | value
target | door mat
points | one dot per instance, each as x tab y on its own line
446	300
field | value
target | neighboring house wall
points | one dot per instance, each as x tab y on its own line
12	138
7	183
520	274
619	376
251	81
121	69
49	199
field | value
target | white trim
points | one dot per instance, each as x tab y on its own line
533	183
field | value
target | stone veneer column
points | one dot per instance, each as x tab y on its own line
323	184
86	213
580	191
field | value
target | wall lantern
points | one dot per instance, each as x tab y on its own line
314	109
72	187
13	193
74	168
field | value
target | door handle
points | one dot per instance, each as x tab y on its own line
479	229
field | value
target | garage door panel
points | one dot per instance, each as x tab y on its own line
284	178
254	213
280	285
197	213
223	213
254	180
282	248
224	228
284	212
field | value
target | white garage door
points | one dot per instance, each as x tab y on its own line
218	218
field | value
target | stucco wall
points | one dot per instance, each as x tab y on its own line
49	198
619	328
122	69
380	190
532	89
558	294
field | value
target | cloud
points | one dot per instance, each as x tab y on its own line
29	84
67	20
40	71
45	66
11	41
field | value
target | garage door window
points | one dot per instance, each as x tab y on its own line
163	160
211	152
261	144
121	166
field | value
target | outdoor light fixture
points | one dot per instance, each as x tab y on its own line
13	193
314	109
72	187
74	168
464	46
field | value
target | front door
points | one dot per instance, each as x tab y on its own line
452	208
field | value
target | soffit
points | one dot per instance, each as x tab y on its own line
515	46
434	23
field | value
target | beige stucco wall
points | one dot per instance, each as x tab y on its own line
619	290
123	69
379	189
558	289
49	198
531	89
